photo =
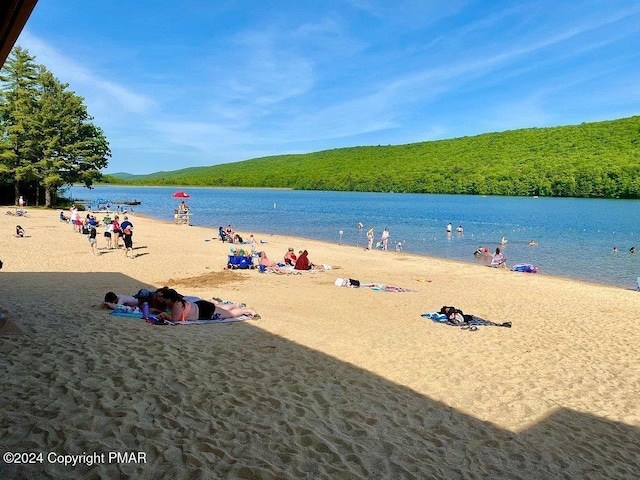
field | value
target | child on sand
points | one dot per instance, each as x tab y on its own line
127	236
93	241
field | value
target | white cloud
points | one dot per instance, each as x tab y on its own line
113	99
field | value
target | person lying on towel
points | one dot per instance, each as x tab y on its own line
184	310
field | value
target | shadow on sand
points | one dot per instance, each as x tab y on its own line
234	401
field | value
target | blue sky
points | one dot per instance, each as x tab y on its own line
176	84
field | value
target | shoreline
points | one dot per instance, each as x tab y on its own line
331	381
390	252
583	253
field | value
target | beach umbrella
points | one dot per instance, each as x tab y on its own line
181	194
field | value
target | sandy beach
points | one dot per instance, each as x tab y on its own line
330	382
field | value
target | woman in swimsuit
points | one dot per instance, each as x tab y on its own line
182	310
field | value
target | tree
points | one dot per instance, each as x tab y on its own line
47	134
17	104
72	149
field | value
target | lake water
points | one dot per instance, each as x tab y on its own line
575	236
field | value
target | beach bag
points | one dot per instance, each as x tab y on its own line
353	282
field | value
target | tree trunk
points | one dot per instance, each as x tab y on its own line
47	197
16	191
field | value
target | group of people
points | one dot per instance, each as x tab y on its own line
113	230
79	224
18	213
228	235
167	304
383	244
631	250
291	263
450	229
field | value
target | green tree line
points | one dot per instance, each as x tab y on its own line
600	160
47	138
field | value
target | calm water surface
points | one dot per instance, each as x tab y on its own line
575	236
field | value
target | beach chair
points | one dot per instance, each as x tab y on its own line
224	237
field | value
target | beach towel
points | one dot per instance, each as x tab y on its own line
470	321
386	288
126	311
122	313
241	318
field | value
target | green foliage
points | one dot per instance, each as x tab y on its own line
599	159
47	139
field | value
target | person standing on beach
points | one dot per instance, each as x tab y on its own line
449	228
384	240
126	223
127	236
370	236
108	230
116	232
73	218
93	241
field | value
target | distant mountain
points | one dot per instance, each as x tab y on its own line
122	175
600	159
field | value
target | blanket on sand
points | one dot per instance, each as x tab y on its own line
156	321
121	313
386	288
469	322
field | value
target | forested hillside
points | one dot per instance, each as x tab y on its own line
599	159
